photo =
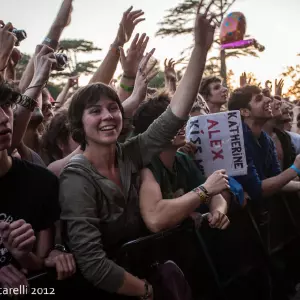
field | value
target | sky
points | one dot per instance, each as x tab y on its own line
274	23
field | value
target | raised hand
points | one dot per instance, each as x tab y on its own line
204	29
130	63
15	57
129	20
18	237
189	149
268	85
278	87
44	62
7	43
216	182
243	80
73	81
143	76
170	73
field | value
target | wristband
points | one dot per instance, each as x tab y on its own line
204	190
203	196
126	87
115	48
293	167
52	43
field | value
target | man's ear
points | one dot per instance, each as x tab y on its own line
245	112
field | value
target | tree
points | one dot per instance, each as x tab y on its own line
21	66
180	21
74	67
293	73
231	83
71	48
158	81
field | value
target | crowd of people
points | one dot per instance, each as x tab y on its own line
107	165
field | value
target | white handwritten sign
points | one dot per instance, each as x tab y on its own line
220	142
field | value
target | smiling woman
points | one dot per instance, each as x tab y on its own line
95	115
99	188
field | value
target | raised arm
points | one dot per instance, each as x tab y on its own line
130	64
7	42
142	79
62	20
187	89
162	131
108	66
43	62
62	97
10	72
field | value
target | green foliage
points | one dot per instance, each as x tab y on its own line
179	20
71	48
21	66
78	46
158	81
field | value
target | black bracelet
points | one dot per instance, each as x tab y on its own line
35	86
204	190
27	102
129	77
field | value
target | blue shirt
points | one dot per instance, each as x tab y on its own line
262	162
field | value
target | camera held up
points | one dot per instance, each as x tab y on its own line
20	35
61	61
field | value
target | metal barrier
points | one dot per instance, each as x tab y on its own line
218	263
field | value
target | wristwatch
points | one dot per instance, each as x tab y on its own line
60	248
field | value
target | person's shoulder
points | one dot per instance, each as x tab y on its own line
183	156
268	139
294	135
32	169
36	159
58	166
185	159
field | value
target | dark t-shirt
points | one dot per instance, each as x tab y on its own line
28	192
182	179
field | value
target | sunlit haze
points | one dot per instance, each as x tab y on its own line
274	23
